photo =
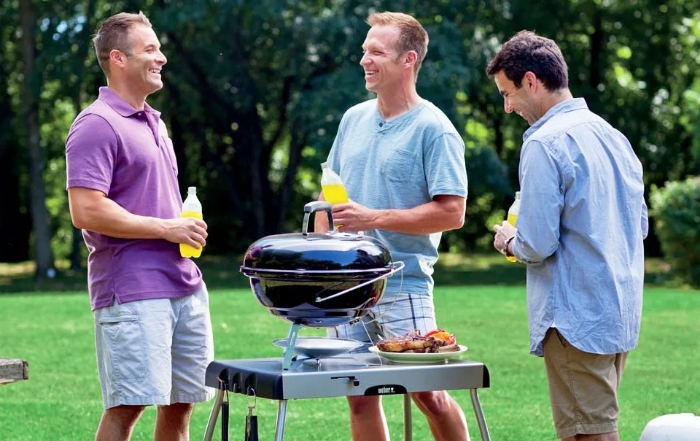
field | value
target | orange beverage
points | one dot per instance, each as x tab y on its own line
187	250
335	193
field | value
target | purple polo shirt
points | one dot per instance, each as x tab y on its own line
127	154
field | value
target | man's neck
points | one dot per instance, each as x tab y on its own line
137	101
394	104
552	99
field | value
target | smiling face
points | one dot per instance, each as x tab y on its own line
143	64
380	61
521	100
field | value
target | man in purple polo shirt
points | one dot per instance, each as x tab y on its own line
152	326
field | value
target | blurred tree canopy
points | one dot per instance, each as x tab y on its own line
254	91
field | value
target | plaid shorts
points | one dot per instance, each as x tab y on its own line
394	315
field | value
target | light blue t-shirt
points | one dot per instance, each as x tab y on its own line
581	227
401	164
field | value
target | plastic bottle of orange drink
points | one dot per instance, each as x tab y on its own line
191	208
513	217
333	189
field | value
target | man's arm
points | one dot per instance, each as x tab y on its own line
443	213
92	210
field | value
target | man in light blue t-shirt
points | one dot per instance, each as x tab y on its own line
402	162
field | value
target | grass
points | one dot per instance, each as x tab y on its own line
53	331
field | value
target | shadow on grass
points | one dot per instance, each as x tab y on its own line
222	272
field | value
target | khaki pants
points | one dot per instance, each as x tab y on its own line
583	387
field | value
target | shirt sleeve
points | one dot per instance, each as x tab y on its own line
91	154
645	219
542	201
445	168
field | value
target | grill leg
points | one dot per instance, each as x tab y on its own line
291	344
214	415
407	423
281	415
476	404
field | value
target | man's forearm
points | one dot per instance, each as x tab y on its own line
109	218
433	217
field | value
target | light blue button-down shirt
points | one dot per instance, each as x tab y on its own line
581	227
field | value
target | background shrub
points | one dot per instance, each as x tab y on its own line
676	211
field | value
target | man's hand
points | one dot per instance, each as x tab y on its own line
502	233
353	217
187	230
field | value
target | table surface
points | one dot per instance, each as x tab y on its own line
347	375
12	370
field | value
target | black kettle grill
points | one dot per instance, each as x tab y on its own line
318	279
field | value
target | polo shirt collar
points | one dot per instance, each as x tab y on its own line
120	106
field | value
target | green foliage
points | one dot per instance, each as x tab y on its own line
254	91
676	208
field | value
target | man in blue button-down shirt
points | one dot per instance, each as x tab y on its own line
580	231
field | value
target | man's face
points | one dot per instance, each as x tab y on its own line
144	61
380	60
518	100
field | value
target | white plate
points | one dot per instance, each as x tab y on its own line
418	357
319	347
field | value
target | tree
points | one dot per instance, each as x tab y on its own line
14	221
30	97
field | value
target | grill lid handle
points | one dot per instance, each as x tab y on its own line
313	207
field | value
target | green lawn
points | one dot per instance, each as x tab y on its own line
61	401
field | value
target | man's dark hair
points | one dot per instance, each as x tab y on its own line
527	51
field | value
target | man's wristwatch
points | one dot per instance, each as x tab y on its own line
504	248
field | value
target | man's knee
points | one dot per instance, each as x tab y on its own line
363	405
124	415
176	410
432	403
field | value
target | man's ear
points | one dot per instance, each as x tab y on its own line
410	58
117	57
530	81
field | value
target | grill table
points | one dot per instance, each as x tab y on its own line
348	375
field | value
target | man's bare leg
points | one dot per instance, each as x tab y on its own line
173	422
117	423
445	417
367	421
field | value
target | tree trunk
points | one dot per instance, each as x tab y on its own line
40	215
596	69
14	246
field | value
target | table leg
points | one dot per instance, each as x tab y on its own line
214	415
476	404
281	415
407	422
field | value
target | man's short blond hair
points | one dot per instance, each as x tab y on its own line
412	36
113	33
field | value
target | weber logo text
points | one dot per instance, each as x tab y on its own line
386	389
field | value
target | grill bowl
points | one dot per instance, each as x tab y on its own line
305	298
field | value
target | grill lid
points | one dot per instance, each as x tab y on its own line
330	252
